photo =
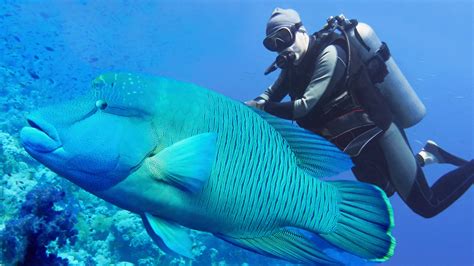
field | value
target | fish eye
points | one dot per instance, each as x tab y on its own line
101	104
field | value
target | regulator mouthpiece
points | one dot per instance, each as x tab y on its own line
285	59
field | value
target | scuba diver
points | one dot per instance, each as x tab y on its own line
345	86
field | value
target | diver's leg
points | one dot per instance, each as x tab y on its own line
453	184
370	167
409	181
429	202
402	165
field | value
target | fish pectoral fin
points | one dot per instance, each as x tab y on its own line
186	164
284	244
170	237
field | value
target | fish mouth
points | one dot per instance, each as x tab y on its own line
40	136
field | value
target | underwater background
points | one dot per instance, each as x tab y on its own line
51	50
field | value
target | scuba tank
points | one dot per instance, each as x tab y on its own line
405	105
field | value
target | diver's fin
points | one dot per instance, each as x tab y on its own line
440	155
315	154
365	221
170	237
186	164
284	244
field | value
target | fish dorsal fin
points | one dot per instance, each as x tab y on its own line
284	244
170	237
315	154
187	164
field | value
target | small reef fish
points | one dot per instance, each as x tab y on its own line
184	157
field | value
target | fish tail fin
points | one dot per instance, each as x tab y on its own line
365	221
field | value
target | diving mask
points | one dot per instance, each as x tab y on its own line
282	38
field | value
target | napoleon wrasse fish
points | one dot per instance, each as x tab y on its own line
184	157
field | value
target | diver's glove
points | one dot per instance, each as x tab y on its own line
259	104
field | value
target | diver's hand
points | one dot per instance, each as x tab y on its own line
260	104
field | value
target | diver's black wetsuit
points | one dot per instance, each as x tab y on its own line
387	160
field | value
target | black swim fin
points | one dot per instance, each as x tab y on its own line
441	155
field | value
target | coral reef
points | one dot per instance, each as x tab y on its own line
17	175
45	222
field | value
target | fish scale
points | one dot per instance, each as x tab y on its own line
255	216
226	196
251	199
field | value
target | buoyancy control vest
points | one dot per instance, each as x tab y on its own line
368	52
373	93
338	116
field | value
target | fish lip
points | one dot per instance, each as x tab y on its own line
36	140
40	136
43	126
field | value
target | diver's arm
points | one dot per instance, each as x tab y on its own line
277	91
330	66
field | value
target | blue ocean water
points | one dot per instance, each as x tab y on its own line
51	50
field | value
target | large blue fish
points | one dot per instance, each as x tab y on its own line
182	157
